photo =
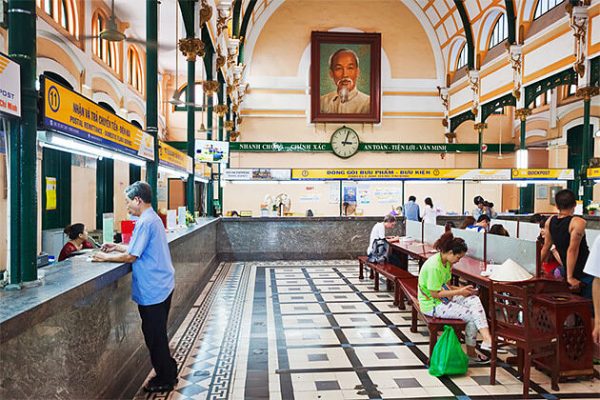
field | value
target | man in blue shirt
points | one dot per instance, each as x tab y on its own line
411	209
153	281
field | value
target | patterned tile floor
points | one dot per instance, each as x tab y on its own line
313	330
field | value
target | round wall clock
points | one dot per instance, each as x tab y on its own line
345	142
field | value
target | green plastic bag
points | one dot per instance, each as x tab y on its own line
448	357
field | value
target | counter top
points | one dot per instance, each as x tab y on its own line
304	219
70	280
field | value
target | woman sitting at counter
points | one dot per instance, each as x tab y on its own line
437	298
78	240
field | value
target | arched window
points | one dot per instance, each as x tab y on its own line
135	76
103	49
543	6
500	31
462	58
63	12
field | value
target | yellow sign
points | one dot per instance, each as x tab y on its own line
542	174
400	173
593	173
50	193
69	112
170	156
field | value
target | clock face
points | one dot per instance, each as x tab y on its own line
345	142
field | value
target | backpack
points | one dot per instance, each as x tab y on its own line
379	250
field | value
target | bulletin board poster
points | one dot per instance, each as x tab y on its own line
50	193
363	195
388	195
350	194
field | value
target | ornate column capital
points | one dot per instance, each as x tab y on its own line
588	92
228	125
480	126
191	48
233	135
210	87
220	57
220	109
205	13
522	113
450	136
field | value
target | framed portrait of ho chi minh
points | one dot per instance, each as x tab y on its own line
345	77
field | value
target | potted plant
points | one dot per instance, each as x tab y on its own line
593	209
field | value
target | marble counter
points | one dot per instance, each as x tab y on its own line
80	333
296	238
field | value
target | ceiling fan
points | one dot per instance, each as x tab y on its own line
112	33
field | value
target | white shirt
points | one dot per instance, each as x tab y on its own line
429	214
592	266
378	232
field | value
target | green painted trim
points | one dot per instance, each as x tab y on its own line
457	120
105	188
464	17
490	107
237	10
595	71
56	164
244	27
511	19
135	173
566	77
187	12
178	145
310	147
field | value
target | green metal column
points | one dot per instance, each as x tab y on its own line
525	201
587	145
22	148
191	124
152	94
480	127
208	62
220	96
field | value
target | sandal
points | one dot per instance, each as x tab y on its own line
479	359
488	347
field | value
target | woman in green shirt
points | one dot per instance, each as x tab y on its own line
437	298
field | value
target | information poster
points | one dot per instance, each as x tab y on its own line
388	195
350	194
108	227
334	192
363	194
50	193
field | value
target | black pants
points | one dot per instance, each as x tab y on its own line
154	327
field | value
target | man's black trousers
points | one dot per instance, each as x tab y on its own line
154	327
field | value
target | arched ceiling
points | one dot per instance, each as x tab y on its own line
441	19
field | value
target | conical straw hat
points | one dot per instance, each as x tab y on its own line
509	271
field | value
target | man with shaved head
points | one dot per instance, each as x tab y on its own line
346	99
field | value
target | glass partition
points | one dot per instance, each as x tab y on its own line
501	248
529	231
413	229
474	242
510	226
591	235
432	232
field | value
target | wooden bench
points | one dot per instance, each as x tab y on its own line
434	325
390	271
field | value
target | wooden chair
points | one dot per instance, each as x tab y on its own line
512	325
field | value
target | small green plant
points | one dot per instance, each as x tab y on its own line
189	219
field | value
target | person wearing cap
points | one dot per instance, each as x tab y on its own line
592	267
483	208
